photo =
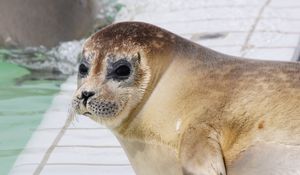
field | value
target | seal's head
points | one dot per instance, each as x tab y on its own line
120	65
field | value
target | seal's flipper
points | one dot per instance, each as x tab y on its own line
202	155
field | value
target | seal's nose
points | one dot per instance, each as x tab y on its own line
85	95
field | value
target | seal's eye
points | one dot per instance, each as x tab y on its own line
119	70
122	71
83	70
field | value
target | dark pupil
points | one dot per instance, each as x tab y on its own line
83	69
122	71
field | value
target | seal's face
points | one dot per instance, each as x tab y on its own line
119	68
109	86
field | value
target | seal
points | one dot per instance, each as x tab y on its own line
179	108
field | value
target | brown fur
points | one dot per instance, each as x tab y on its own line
201	109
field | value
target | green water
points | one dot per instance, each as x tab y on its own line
23	102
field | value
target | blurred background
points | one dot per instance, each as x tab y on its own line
40	45
40	42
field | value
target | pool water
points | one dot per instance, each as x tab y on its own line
23	102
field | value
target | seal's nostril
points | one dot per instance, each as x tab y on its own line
85	95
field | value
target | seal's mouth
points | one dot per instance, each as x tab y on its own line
96	108
87	114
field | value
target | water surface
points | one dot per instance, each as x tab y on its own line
23	101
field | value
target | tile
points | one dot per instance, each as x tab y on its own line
274	39
234	51
224	39
89	137
278	54
37	147
285	3
187	15
88	155
211	26
278	25
86	170
23	169
135	7
54	119
283	13
62	101
81	121
229	3
31	156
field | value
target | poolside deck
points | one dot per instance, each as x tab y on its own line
256	29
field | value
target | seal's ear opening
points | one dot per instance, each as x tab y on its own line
137	57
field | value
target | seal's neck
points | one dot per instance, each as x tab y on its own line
159	118
171	99
157	68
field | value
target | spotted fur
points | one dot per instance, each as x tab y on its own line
191	110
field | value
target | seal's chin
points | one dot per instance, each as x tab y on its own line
103	108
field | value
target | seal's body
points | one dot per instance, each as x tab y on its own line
180	108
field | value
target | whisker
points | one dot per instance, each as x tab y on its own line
72	113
